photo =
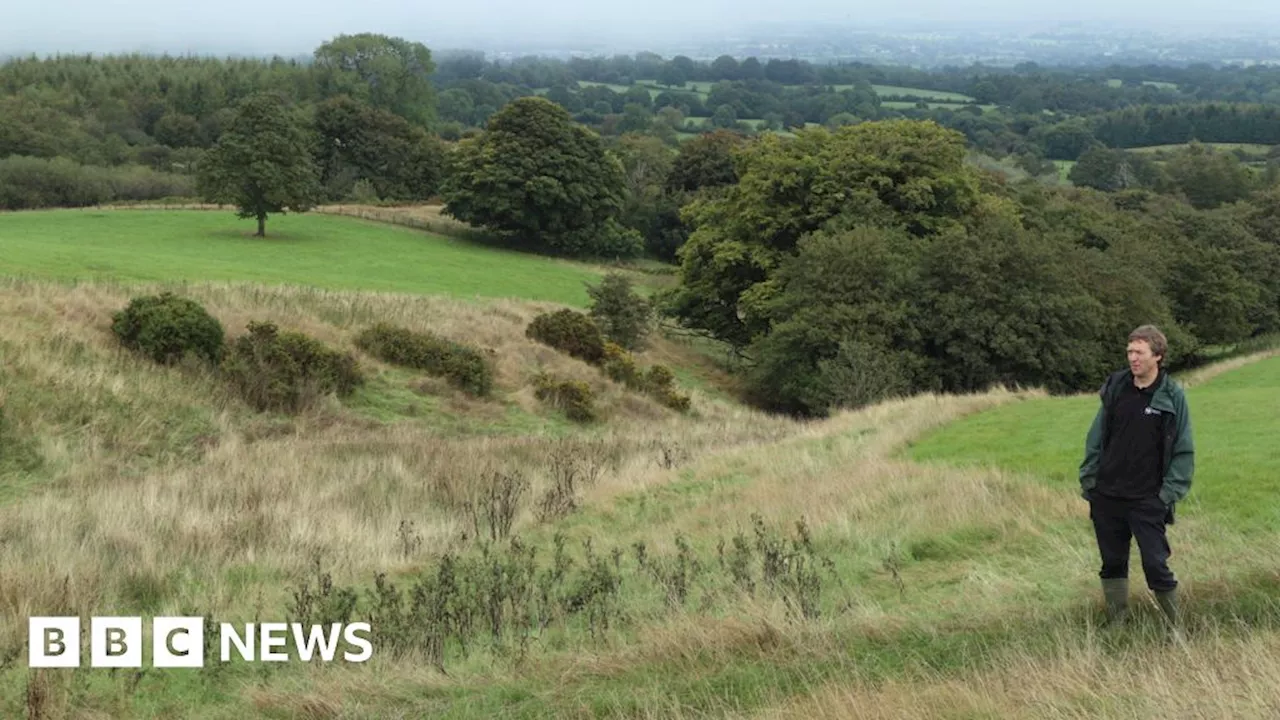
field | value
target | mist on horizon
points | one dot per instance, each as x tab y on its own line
240	26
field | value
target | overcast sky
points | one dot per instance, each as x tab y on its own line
297	26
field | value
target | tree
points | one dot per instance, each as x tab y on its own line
537	175
646	162
356	141
262	163
385	72
705	161
1209	178
905	174
623	316
1104	169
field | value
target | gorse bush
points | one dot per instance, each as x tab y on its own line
658	381
464	366
620	366
574	397
571	332
287	371
578	335
166	327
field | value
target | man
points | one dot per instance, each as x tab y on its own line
1139	459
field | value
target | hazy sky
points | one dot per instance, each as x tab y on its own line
297	26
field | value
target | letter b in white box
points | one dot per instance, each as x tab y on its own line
116	642
177	642
53	642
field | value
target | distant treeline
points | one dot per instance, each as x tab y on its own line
381	110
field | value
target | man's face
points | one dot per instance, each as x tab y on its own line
1141	361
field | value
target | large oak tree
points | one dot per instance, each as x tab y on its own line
537	175
262	163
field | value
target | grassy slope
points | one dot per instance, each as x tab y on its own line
1238	471
958	588
322	251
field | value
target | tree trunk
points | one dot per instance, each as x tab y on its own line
262	226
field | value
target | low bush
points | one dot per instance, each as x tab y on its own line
166	327
659	382
287	371
571	332
574	397
620	366
464	366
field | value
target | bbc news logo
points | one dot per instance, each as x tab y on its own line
178	642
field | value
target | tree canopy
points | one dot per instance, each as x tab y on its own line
262	163
539	176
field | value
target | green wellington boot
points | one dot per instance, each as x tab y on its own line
1168	602
1116	593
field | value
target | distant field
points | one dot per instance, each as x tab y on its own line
655	89
1251	148
904	105
937	95
319	250
612	86
701	87
1064	168
1116	82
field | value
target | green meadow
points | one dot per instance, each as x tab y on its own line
1236	418
322	251
927	557
938	95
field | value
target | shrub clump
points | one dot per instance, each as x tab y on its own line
574	397
620	366
287	371
571	332
167	327
464	366
658	381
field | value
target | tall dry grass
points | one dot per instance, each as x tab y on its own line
116	521
162	491
1221	675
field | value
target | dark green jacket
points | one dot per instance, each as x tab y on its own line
1175	418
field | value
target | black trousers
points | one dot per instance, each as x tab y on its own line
1115	521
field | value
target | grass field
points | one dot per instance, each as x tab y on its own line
936	95
1250	148
316	250
928	557
904	105
1237	466
945	567
655	89
1064	169
1116	82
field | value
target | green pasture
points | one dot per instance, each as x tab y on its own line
1235	423
323	251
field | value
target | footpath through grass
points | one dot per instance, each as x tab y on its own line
336	253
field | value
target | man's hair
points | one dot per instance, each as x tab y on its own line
1153	337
